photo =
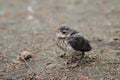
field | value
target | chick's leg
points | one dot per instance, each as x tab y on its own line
78	61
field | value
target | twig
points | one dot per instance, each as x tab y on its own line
112	63
30	69
32	76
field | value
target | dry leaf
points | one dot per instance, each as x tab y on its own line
24	55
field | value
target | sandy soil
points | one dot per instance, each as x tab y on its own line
29	25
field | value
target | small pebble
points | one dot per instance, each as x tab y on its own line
51	66
30	9
48	63
30	17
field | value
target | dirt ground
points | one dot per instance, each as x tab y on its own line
29	25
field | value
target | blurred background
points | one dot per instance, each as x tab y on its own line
30	25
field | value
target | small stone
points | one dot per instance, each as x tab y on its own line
51	66
24	55
30	9
48	63
30	17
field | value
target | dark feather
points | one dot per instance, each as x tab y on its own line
74	32
63	28
80	44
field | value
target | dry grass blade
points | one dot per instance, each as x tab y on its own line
33	73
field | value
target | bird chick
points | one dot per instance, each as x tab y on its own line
72	42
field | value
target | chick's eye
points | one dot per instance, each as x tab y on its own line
64	32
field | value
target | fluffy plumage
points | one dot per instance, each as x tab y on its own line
79	44
70	40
